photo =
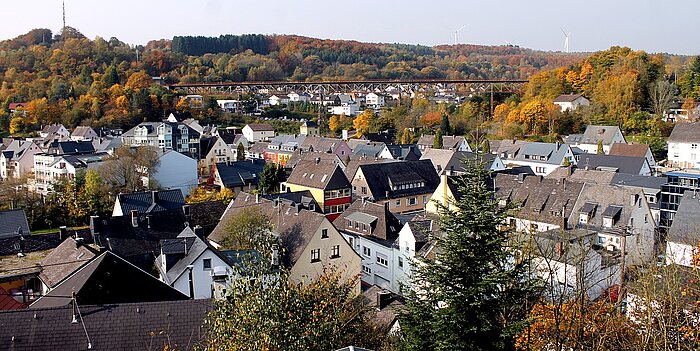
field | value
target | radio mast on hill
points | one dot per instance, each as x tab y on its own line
64	15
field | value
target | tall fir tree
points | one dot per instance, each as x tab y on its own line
474	296
437	141
445	125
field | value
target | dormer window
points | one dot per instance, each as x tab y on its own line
611	215
587	212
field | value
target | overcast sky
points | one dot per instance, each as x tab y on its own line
654	26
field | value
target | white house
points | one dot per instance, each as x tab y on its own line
54	130
570	102
17	158
543	158
217	151
683	145
49	168
81	133
375	100
413	242
189	257
255	132
296	97
348	109
684	233
175	171
278	100
229	105
588	141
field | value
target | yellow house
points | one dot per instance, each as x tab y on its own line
445	194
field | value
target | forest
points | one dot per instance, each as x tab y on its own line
70	79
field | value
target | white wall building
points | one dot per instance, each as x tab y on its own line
683	151
255	132
176	171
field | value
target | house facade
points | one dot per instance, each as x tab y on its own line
175	171
683	145
570	102
166	135
256	132
17	158
543	158
326	182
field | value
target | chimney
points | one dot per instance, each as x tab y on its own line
386	205
186	210
154	196
383	299
318	160
198	231
134	218
78	242
257	198
148	221
63	232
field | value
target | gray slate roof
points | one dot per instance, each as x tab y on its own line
12	221
321	175
151	201
685	133
380	176
553	153
593	134
685	228
621	164
240	173
130	326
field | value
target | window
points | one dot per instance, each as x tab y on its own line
335	251
315	255
364	190
324	233
398	203
349	223
364	227
382	261
367	269
693	146
206	263
351	240
366	251
412	201
400	262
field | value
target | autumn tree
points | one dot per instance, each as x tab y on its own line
406	137
431	120
248	228
362	121
662	94
334	124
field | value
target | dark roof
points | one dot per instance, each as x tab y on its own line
240	173
567	97
108	279
310	124
384	225
64	260
381	176
684	229
449	142
640	181
37	242
131	326
304	197
151	201
71	147
387	136
685	133
206	214
12	222
404	152
621	164
82	131
318	175
188	247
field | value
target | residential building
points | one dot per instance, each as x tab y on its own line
408	152
189	264
416	240
325	100
371	230
278	100
147	202
70	147
588	141
256	132
543	158
453	162
17	158
374	100
348	109
620	164
165	135
233	139
296	97
238	176
309	128
81	133
633	150
457	143
174	171
673	191
52	131
311	243
506	149
684	232
406	186
316	144
570	102
683	145
49	168
215	150
326	182
108	279
281	148
64	260
257	151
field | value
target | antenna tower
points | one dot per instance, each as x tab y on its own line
64	15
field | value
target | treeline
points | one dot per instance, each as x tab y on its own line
199	45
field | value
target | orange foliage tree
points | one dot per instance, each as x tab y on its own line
431	119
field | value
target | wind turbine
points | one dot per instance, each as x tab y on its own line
566	39
457	34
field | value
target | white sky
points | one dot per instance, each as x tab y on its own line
655	26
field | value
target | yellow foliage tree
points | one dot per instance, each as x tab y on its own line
334	124
138	80
16	124
362	122
123	104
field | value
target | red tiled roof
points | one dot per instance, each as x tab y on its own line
7	302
